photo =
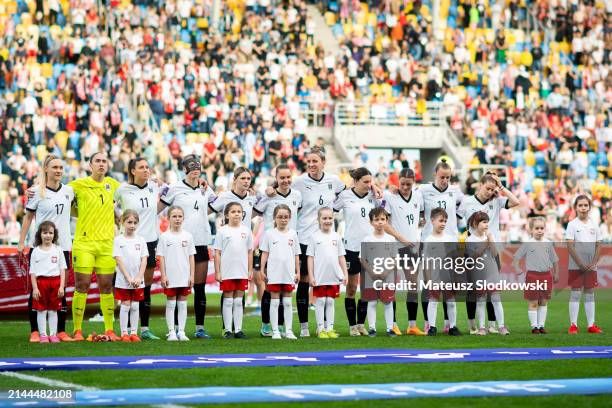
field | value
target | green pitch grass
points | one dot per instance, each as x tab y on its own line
15	334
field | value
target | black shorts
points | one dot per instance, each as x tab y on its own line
67	257
201	253
303	260
152	259
353	263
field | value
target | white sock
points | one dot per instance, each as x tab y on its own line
274	303
124	313
432	312
144	328
170	306
199	327
534	317
446	322
471	323
237	313
372	314
41	317
411	323
451	308
389	315
182	315
288	314
589	308
134	317
320	313
329	313
574	305
52	315
499	309
304	326
481	311
228	305
542	311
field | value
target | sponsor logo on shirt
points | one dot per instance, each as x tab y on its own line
290	242
243	235
54	259
137	246
184	244
274	242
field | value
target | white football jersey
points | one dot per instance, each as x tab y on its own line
143	200
234	244
584	236
471	204
282	248
356	216
131	251
176	248
448	199
47	263
474	246
315	195
540	256
194	202
247	201
54	207
325	250
405	213
265	205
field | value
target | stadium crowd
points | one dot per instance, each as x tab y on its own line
152	79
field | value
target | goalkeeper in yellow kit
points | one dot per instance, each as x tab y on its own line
92	249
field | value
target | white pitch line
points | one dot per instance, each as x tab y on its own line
64	384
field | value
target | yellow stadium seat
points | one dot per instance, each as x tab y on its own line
164	126
41	152
330	18
190	138
364	7
61	138
372	19
202	23
11	8
46	97
46	70
565	47
526	58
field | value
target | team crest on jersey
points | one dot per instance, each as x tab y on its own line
290	242
415	205
334	243
294	203
67	198
592	231
107	187
370	200
450	194
54	259
184	244
150	190
243	235
137	246
329	185
490	206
